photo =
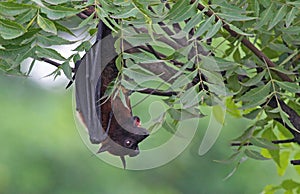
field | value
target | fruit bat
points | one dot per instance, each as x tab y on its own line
109	119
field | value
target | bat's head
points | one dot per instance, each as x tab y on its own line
125	139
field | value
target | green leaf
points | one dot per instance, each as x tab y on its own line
266	16
270	189
220	90
143	9
222	64
278	17
142	57
178	9
282	70
184	12
30	67
48	53
252	115
284	131
86	21
196	19
280	48
123	99
209	63
20	49
237	30
257	94
12	9
254	155
184	114
138	39
190	97
127	14
256	7
67	70
290	184
237	57
297	167
26	17
58	12
52	40
56	2
169	127
230	160
205	26
22	56
63	28
246	135
212	77
286	120
39	3
181	81
228	7
275	154
254	80
26	38
295	3
232	108
290	17
139	75
284	162
265	3
289	86
219	114
118	63
214	30
46	25
235	17
84	46
291	30
263	143
10	29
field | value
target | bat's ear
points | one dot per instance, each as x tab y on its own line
137	121
123	161
103	148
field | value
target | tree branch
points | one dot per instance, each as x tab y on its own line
293	117
156	92
53	63
245	41
295	162
274	142
81	15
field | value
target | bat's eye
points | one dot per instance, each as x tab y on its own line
128	143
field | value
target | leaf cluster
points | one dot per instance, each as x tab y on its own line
238	56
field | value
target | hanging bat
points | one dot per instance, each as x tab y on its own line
109	120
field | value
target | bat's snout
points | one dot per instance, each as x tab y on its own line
134	152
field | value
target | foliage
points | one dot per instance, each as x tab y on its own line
240	55
42	152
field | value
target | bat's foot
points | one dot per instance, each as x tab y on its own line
95	140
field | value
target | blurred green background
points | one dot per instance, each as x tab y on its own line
42	152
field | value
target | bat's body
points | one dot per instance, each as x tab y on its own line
122	128
109	121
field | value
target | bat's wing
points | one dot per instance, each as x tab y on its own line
86	80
